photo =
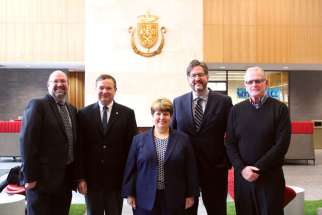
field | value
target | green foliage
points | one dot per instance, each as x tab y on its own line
231	208
77	209
310	207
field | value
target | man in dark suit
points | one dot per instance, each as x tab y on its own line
202	114
106	132
47	140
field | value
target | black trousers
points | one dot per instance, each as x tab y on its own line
262	197
100	201
160	207
42	202
214	194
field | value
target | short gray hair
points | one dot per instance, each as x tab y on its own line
255	68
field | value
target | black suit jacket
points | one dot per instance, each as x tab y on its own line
103	156
208	142
44	143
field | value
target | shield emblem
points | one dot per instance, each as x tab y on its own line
147	34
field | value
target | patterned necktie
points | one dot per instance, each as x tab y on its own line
198	114
104	120
69	131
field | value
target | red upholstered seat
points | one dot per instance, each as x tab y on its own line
10	126
231	183
302	127
289	193
14	189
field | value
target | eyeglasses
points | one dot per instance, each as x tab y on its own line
58	81
256	81
200	75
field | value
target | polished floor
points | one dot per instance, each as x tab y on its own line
309	177
300	174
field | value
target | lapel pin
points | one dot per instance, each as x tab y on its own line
117	113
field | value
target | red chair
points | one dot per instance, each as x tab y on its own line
14	189
289	193
231	183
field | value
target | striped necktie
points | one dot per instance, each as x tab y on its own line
69	130
198	114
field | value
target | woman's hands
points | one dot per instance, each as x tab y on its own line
131	201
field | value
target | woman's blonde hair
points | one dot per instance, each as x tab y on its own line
162	104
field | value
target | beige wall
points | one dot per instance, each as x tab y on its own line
141	80
247	31
261	31
42	30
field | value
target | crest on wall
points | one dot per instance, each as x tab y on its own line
145	39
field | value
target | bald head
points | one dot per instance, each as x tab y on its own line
55	74
58	85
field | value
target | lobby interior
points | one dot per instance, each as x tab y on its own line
86	38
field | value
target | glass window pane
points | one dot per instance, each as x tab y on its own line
217	86
217	75
236	89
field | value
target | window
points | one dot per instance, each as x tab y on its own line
232	83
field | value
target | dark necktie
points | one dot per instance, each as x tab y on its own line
198	114
69	131
104	120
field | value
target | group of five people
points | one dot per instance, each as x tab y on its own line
189	149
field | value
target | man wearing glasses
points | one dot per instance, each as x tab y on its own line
202	114
258	136
47	144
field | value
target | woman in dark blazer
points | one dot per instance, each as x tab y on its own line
160	175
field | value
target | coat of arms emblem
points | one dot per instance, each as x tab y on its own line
145	36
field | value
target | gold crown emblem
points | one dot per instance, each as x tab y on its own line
145	36
147	18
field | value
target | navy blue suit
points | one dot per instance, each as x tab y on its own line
44	149
140	178
208	145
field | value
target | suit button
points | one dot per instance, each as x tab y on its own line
102	161
104	146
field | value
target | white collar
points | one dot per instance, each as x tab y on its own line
204	97
109	106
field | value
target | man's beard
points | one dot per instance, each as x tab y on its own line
60	96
